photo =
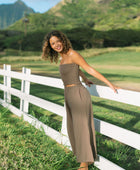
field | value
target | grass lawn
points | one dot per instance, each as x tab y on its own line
123	115
24	147
119	65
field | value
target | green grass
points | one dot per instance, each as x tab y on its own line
123	115
24	147
120	58
119	65
23	141
19	139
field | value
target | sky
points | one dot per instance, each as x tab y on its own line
38	5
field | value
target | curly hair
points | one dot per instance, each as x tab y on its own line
48	52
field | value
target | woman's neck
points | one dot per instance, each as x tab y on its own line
63	55
66	58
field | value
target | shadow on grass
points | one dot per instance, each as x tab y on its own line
48	118
52	94
129	125
121	154
121	76
32	146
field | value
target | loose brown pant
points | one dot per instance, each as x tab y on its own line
80	123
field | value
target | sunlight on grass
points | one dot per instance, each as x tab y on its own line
119	65
24	147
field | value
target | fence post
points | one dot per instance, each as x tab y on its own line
7	83
25	88
64	123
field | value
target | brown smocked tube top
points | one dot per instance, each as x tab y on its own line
69	74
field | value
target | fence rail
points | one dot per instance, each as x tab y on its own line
120	134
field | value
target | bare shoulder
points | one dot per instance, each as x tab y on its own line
74	55
78	59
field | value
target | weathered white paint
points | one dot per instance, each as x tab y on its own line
25	88
52	107
7	82
117	133
124	96
35	122
105	164
125	136
64	123
101	163
120	134
48	81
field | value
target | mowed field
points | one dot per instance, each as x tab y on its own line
120	65
24	147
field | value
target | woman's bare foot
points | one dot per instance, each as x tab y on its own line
83	166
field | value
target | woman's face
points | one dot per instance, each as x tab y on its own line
56	44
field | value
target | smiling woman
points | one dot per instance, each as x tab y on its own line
54	45
80	125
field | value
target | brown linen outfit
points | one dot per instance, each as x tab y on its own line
80	123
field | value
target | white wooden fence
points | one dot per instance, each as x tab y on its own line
120	134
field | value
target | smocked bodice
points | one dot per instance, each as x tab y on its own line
69	73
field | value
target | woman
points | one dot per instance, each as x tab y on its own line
80	123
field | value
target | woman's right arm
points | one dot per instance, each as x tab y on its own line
85	79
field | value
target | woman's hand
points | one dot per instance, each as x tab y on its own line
88	82
114	88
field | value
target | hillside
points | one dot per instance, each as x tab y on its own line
97	14
100	14
88	24
10	13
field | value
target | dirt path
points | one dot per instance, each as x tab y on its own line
129	85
